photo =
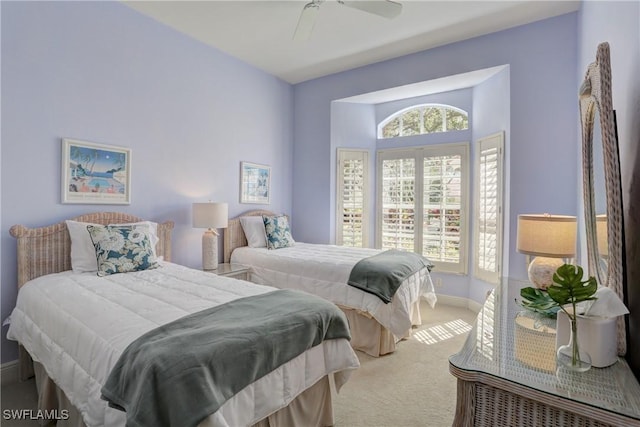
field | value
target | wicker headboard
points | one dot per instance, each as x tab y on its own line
47	250
234	235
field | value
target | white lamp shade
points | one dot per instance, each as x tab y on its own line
602	235
552	236
210	215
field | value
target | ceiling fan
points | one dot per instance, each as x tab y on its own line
385	8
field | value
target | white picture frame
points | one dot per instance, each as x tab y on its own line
255	183
95	173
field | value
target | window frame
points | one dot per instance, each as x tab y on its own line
492	141
419	153
400	113
343	154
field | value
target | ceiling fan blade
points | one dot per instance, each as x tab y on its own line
385	8
306	21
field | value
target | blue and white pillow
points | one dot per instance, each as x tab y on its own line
122	248
277	231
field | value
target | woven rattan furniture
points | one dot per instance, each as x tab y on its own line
234	236
495	388
596	104
47	250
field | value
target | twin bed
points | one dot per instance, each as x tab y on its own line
76	326
324	270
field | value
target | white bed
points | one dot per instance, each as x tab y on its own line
76	325
324	270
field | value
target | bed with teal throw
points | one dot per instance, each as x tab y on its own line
179	373
383	273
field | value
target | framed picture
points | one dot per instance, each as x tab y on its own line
255	183
95	173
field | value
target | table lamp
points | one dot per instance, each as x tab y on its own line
549	238
602	236
210	216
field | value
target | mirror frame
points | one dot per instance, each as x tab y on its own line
595	93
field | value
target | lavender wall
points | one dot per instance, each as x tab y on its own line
543	114
353	125
491	112
618	23
101	72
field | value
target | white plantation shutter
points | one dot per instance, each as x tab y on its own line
442	208
488	218
398	204
352	203
422	207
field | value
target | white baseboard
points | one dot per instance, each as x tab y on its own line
460	302
9	373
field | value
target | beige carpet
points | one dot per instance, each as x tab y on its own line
413	386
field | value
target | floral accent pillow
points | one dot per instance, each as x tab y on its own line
277	231
122	248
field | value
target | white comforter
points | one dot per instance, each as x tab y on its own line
324	270
77	325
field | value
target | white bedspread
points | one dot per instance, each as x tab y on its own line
77	325
324	270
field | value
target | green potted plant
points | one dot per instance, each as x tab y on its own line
567	290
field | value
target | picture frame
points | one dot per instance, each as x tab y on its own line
95	173
255	183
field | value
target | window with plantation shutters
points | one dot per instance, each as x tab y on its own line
352	200
488	209
422	207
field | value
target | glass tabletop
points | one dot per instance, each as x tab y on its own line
228	268
510	343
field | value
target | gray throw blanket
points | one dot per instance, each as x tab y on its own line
383	273
180	373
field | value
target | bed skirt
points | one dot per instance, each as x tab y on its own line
314	405
369	336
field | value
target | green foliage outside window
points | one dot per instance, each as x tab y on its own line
433	120
411	122
425	119
392	129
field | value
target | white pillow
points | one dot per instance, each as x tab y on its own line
83	253
253	227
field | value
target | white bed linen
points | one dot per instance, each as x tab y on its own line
77	325
324	270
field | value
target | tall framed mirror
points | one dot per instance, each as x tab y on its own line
601	181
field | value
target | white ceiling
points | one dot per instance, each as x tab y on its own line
260	32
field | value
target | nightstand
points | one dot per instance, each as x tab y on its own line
506	374
237	271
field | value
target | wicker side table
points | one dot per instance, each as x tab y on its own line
497	386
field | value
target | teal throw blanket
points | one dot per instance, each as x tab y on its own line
383	273
180	373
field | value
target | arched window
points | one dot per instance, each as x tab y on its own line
423	119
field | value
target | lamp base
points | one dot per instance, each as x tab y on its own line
210	250
541	271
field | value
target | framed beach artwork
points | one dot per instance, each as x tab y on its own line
255	182
95	173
